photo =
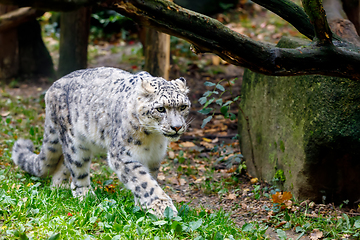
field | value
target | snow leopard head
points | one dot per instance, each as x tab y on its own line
164	106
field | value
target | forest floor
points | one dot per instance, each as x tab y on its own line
197	169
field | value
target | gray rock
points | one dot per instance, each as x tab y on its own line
303	134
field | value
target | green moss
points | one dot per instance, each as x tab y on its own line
279	176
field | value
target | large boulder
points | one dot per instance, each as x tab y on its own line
303	134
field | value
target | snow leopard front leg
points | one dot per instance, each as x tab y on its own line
137	178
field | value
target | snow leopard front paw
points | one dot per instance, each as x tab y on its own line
158	206
81	191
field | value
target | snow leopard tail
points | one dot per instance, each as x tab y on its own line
40	165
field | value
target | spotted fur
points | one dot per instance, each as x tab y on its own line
129	117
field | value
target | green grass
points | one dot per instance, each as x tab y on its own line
29	207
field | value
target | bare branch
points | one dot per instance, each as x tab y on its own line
51	5
317	15
209	35
18	16
292	13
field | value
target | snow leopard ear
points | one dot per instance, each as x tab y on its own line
181	83
148	86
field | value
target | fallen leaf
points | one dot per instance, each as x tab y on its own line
182	182
110	188
178	198
232	169
207	140
207	145
199	180
188	144
283	199
280	224
174	146
231	196
254	180
280	197
171	154
316	234
161	176
4	114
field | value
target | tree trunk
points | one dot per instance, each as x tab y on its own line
352	9
34	58
157	53
22	51
9	58
74	34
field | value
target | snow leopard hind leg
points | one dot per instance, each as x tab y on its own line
48	161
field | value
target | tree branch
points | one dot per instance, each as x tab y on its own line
51	5
209	35
14	18
291	13
314	9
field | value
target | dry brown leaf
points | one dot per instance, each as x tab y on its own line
193	177
178	198
4	114
171	154
182	182
280	197
215	60
173	180
174	146
316	234
232	169
231	196
254	180
188	144
161	176
207	140
280	224
207	145
199	180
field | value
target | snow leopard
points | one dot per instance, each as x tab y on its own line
129	117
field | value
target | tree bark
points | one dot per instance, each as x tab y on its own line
9	61
74	35
34	58
352	9
157	53
338	22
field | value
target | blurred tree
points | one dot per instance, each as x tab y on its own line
157	53
22	50
74	35
9	58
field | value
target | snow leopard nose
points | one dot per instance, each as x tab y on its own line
176	128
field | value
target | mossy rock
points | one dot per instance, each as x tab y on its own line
309	128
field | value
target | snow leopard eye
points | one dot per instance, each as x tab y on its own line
183	107
160	109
